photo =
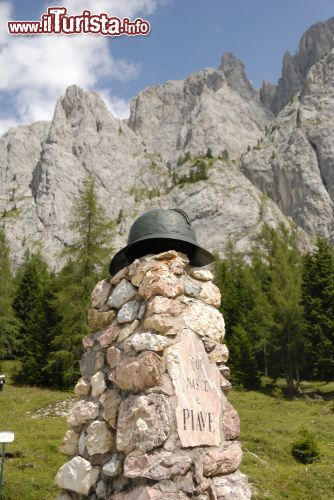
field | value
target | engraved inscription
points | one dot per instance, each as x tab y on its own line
197	386
197	420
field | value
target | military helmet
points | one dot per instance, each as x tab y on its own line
159	230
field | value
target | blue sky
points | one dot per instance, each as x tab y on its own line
186	36
190	35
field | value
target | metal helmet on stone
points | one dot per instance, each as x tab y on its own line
157	231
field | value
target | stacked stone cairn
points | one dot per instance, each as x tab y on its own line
153	420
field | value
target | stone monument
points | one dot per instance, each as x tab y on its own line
153	420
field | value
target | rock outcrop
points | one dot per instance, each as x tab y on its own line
43	165
153	420
316	43
208	144
214	109
294	163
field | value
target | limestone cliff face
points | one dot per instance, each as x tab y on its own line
316	43
263	168
215	108
294	164
20	152
43	165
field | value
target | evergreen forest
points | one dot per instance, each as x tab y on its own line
278	304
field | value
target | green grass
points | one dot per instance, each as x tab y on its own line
319	387
269	426
30	474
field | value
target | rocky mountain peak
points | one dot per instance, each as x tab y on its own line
267	92
234	72
207	144
213	109
75	99
78	110
315	43
294	163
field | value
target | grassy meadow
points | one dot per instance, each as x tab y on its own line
29	474
270	424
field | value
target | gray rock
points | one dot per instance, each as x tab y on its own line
122	293
98	384
228	207
127	330
141	311
91	362
81	444
100	293
128	312
101	489
99	439
69	446
77	475
82	387
143	423
48	161
146	341
139	373
191	287
203	319
232	487
267	92
81	413
158	466
113	467
316	43
236	78
110	402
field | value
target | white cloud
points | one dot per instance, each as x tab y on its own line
118	106
5	14
6	124
119	8
37	70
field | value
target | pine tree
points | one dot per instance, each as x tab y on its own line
243	362
238	290
283	288
8	322
260	316
33	307
318	300
229	278
261	303
87	257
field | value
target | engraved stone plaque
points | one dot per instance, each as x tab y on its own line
197	386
